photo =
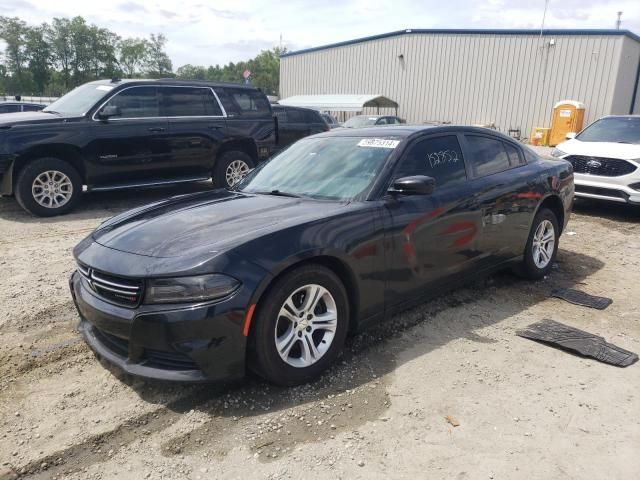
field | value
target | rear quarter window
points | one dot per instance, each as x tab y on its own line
243	101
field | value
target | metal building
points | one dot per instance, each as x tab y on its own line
510	78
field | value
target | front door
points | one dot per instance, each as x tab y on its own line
430	238
132	147
197	128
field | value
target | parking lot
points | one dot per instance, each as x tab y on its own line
524	410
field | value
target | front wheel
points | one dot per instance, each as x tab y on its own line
230	168
542	245
300	326
48	186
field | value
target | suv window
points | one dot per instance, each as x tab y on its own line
243	101
189	102
136	102
488	155
313	117
438	157
9	108
32	108
295	116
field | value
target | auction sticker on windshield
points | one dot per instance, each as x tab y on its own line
106	88
378	143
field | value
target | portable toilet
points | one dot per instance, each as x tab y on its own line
568	116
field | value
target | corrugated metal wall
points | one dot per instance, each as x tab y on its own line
510	80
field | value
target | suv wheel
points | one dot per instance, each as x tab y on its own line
231	167
48	186
542	245
300	327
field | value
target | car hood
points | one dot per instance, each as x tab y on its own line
625	151
206	222
19	118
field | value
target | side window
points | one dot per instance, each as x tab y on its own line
281	114
189	102
382	121
32	108
313	117
136	102
295	116
246	102
9	108
514	155
488	156
439	157
394	120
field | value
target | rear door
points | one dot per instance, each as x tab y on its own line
130	148
506	195
197	128
430	238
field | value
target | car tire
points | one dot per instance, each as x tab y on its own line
542	246
274	333
48	186
231	167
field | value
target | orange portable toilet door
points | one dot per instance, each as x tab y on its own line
568	116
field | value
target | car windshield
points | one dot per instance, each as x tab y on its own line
79	100
360	121
613	129
332	168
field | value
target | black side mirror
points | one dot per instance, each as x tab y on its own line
108	112
415	185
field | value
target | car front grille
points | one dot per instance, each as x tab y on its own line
119	290
605	167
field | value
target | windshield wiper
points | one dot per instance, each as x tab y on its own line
278	193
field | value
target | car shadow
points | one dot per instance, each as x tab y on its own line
617	212
99	205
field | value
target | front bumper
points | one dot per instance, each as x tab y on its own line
614	189
190	343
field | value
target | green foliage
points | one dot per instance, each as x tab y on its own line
50	59
265	71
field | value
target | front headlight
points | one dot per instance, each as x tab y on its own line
556	152
190	289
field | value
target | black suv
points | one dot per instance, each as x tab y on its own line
130	133
295	123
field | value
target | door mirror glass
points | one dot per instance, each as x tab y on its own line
571	135
109	111
414	185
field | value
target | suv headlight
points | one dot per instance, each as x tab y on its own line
190	289
556	152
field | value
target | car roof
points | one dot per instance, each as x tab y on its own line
172	81
14	102
277	106
406	131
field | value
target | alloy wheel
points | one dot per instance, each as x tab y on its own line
544	242
52	189
236	171
306	326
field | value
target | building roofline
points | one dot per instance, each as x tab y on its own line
409	31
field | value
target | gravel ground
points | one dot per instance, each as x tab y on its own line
523	410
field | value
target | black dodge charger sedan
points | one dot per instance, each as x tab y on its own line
339	231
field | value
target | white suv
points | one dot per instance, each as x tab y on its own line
606	159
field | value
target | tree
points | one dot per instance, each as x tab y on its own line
158	62
134	54
60	41
39	55
191	72
14	32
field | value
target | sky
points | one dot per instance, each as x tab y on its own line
213	32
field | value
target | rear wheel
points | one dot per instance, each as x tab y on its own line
300	327
230	168
48	186
542	245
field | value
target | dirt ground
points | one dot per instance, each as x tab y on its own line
524	410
